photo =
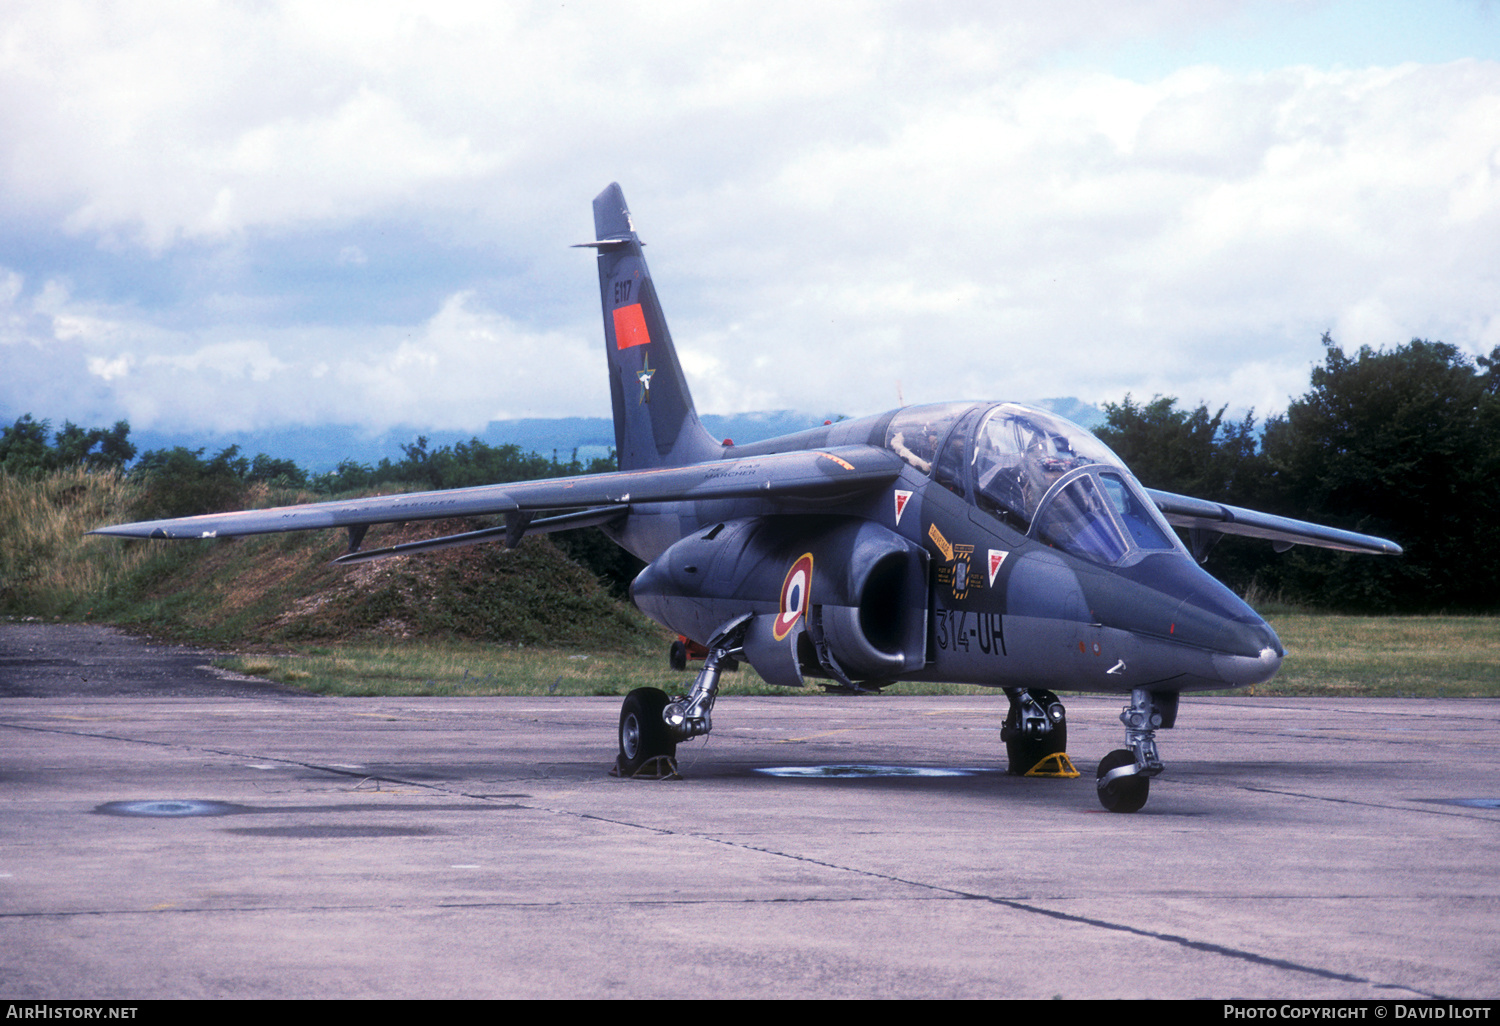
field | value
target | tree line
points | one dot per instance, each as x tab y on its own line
1403	443
184	482
179	481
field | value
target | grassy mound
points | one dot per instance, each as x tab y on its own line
281	588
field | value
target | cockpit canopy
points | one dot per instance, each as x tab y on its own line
1044	476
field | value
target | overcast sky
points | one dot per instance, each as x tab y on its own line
228	216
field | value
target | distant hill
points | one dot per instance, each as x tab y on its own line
323	448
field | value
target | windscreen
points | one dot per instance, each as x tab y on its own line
1037	472
1020	452
1075	520
1096	511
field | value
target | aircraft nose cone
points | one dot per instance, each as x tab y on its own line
1242	649
1239	671
1181	603
1248	653
1243	636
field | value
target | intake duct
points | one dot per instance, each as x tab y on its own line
831	595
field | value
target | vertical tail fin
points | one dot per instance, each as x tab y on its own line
655	423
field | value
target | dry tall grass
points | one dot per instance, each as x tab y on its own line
47	564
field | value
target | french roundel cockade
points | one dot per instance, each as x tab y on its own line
794	595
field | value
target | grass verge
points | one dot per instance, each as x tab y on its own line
1429	656
1386	656
472	668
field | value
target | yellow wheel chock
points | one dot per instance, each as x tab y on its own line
1055	765
662	767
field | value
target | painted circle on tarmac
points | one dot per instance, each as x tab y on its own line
170	809
795	592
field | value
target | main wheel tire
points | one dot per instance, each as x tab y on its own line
1123	794
643	735
677	656
1023	752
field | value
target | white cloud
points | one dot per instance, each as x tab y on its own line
234	361
481	365
459	369
110	369
171	121
837	197
1043	260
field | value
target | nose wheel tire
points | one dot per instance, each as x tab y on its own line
643	734
1122	794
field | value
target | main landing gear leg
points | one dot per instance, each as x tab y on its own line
1125	774
651	726
1036	734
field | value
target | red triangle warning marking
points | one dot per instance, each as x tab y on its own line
996	558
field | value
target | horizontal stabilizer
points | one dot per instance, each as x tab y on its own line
811	474
1185	511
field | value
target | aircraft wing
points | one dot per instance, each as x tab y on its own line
1283	532
809	474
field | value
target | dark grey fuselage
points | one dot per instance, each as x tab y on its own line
997	607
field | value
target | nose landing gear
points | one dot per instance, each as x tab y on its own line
1124	775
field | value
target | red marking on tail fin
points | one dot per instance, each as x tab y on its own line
630	327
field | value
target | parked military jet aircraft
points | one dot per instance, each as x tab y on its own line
988	543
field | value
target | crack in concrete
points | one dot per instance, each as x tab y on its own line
1454	811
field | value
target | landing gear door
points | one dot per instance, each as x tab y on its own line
775	659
